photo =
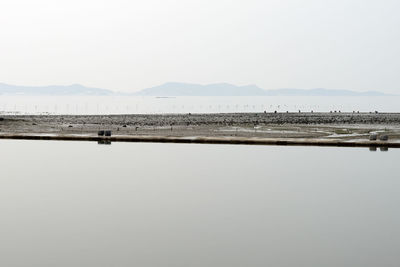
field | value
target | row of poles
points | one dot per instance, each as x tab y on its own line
100	109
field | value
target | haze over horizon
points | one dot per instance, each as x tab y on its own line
130	45
178	89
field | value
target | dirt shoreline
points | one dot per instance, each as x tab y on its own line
309	126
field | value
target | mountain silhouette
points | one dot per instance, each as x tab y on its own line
178	89
225	89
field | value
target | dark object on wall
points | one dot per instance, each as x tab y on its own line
384	138
373	137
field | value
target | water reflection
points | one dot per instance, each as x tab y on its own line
104	142
142	204
384	149
375	149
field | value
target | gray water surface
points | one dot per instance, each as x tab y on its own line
83	204
108	105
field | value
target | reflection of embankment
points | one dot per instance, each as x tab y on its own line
209	140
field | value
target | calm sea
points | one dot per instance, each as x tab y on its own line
83	204
152	105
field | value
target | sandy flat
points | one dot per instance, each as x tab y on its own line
343	126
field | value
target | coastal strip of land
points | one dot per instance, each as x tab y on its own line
317	129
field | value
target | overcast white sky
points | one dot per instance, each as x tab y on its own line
129	45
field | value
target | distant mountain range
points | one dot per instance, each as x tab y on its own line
178	89
52	90
225	89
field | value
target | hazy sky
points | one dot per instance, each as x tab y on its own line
128	45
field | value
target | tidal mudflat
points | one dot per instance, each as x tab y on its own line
84	204
328	126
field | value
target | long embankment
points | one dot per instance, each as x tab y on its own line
303	129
